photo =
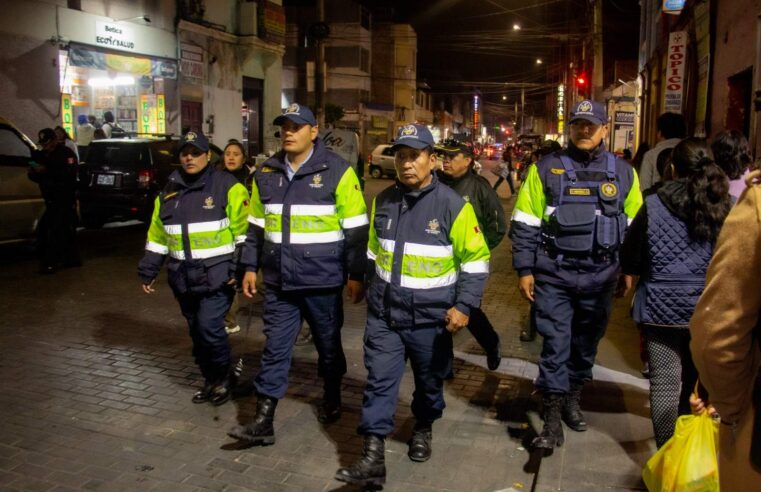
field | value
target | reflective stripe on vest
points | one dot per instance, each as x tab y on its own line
309	224
207	239
424	266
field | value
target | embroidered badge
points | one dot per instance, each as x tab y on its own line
316	181
208	204
584	107
409	131
433	227
608	190
293	108
190	136
557	171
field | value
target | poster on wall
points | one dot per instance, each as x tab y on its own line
675	60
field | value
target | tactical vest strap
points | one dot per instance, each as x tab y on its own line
568	166
611	166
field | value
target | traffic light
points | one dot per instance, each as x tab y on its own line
582	84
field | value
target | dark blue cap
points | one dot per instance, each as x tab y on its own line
415	136
196	139
301	115
591	111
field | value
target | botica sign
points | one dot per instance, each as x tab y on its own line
114	36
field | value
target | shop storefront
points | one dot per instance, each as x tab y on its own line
121	68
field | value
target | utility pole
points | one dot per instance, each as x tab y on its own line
523	108
319	75
597	79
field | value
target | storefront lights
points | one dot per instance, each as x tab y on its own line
108	82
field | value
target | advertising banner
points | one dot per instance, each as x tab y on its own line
676	58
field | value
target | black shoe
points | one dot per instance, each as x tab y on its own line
552	433
571	413
259	432
47	269
494	357
220	393
420	443
203	395
527	335
329	411
370	469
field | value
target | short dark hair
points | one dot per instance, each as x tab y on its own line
672	125
236	143
731	152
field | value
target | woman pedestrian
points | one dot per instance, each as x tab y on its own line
669	245
505	170
197	221
732	153
63	137
234	162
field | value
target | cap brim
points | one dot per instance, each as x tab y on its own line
410	142
592	119
294	118
193	144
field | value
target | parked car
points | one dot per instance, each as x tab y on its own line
381	162
21	203
123	176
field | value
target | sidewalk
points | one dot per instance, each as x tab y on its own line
96	380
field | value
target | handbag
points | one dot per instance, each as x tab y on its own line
689	460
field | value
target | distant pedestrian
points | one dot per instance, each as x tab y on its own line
636	161
93	121
732	153
85	131
567	226
505	170
63	137
55	170
672	128
726	338
198	219
669	246
108	123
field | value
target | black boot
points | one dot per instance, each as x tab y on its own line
260	431
552	433
494	356
370	469
203	395
572	415
420	443
330	407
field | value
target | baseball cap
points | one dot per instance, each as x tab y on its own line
301	115
413	135
454	147
591	111
45	136
196	139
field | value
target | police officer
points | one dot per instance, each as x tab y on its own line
197	221
457	173
54	168
429	263
568	223
308	233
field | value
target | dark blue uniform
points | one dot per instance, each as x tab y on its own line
568	222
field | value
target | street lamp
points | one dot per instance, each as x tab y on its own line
538	61
516	27
504	98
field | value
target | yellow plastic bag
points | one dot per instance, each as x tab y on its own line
688	461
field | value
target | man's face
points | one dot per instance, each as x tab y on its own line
586	135
297	138
414	167
455	165
193	160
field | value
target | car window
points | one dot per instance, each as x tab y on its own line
387	151
118	156
12	145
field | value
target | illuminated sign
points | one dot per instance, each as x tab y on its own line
476	113
673	6
67	116
561	108
161	113
672	97
114	36
148	113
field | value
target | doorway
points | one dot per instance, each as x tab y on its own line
253	112
738	104
192	116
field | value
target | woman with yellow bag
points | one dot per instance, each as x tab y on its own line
725	342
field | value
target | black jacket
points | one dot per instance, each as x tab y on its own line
58	175
487	205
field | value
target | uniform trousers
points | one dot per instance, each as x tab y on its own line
572	322
429	349
672	377
57	234
205	314
482	330
283	312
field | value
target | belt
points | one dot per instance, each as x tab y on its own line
596	257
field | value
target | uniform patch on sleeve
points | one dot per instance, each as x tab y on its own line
555	170
266	169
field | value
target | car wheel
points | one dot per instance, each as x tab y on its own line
376	172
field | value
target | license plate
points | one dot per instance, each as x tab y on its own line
106	179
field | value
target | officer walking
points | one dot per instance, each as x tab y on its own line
197	221
457	173
54	168
568	223
428	265
308	232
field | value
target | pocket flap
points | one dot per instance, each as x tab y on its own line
320	250
577	214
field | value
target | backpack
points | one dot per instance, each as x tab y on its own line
117	131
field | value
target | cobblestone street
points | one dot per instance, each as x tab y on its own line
96	380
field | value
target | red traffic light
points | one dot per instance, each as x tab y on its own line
581	80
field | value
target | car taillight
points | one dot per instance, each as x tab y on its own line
144	178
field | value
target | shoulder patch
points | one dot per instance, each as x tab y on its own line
556	170
266	169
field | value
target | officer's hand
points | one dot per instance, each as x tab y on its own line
148	288
526	286
232	281
456	320
356	290
249	284
625	283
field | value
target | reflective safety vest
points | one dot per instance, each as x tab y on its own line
311	231
429	254
198	222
